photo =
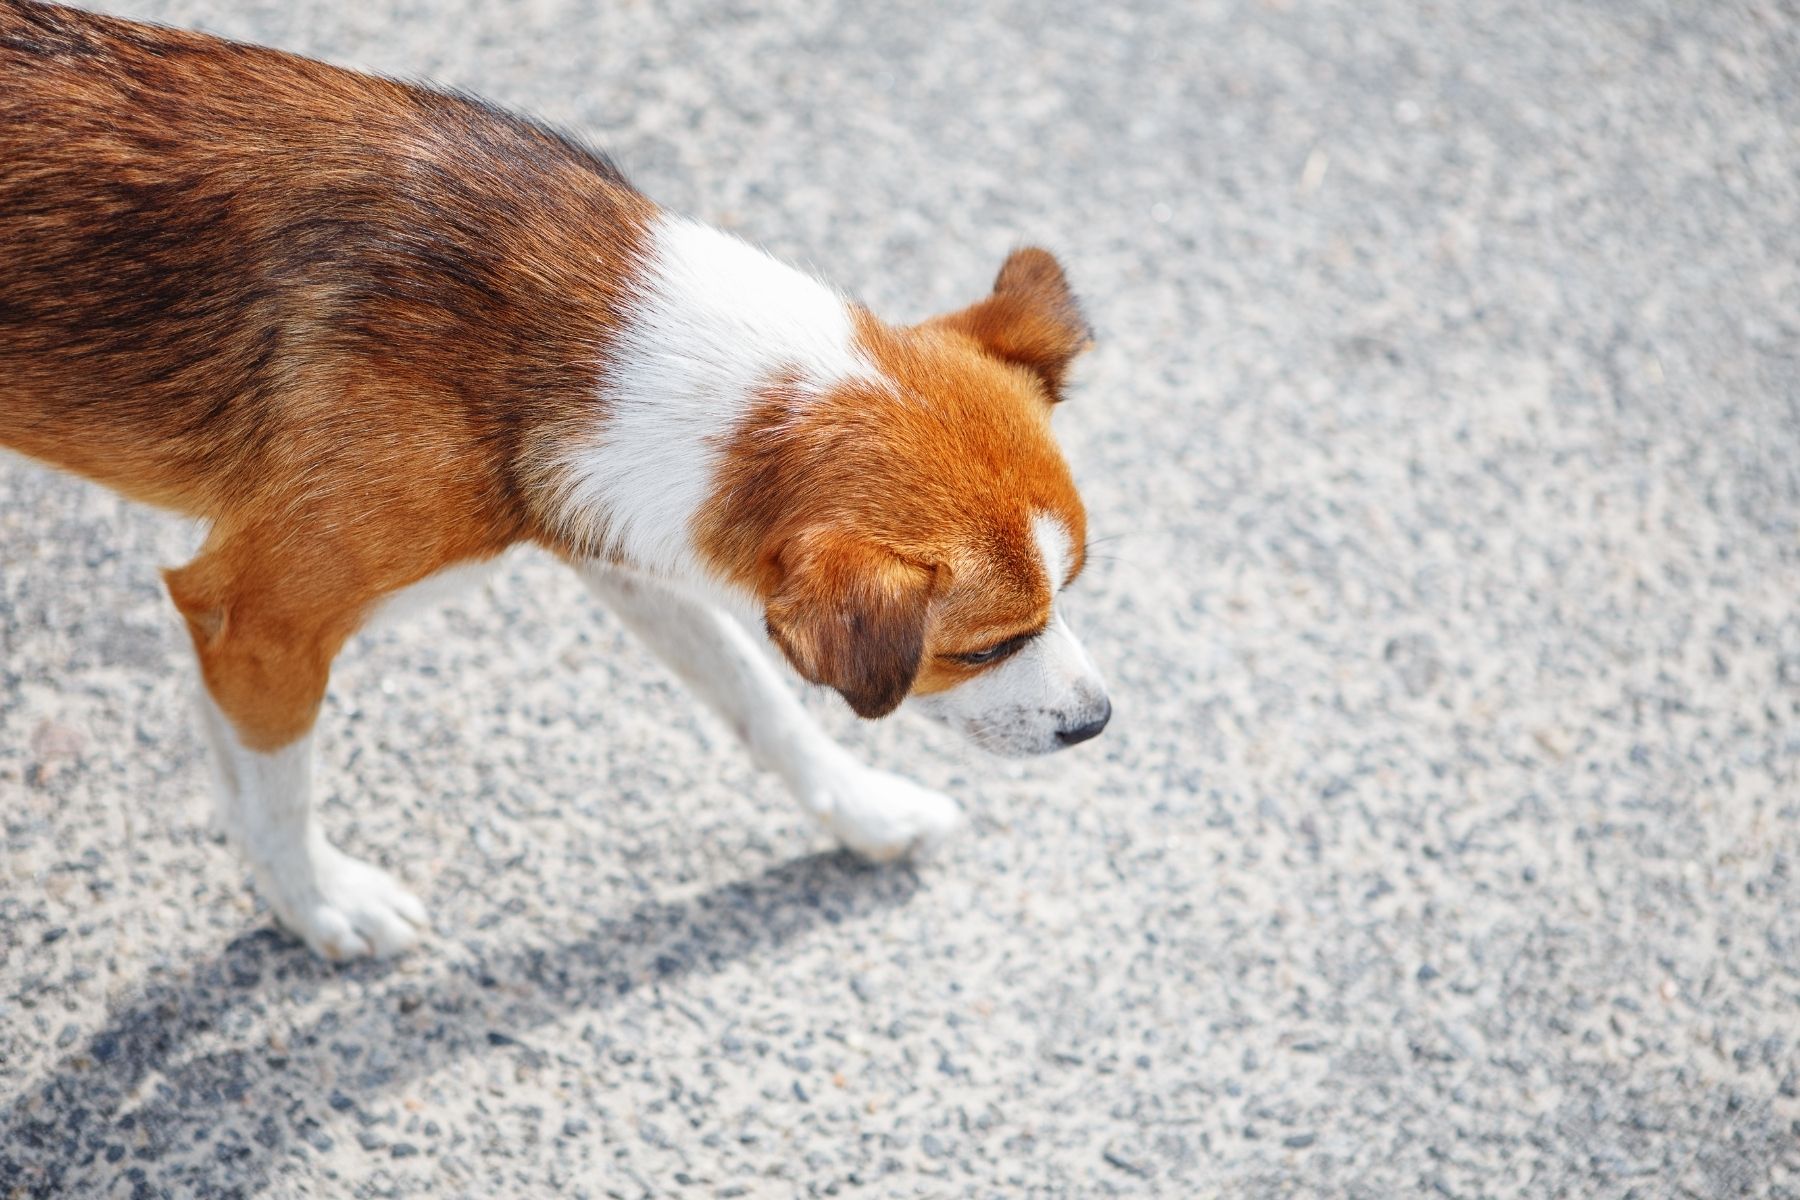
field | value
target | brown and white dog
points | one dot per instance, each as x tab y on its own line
374	334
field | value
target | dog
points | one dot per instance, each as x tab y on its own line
373	334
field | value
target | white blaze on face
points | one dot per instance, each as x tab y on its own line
1026	704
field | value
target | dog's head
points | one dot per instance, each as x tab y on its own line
908	529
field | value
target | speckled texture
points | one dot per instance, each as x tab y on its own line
1445	436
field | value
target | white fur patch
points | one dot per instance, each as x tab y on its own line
878	815
1018	706
1055	547
717	321
429	592
339	906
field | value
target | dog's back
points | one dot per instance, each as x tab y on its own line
215	259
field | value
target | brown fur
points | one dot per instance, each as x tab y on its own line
940	476
1031	319
322	310
851	615
346	320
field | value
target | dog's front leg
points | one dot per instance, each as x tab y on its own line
878	815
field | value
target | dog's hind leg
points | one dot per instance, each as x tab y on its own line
266	625
878	815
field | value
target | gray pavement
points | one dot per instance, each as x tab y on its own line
1445	432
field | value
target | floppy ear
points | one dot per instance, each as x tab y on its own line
851	615
1031	318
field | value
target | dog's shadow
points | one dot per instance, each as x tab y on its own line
131	1098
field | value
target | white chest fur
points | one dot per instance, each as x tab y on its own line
717	323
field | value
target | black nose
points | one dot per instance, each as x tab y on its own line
1082	733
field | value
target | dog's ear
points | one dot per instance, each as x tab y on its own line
851	615
1031	318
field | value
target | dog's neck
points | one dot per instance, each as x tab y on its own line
717	327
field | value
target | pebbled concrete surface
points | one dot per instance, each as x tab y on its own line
1446	429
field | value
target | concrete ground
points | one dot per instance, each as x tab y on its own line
1445	433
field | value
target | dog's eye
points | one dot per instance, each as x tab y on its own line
994	653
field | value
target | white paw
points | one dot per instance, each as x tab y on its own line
884	817
344	908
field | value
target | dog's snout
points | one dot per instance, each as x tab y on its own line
1083	732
